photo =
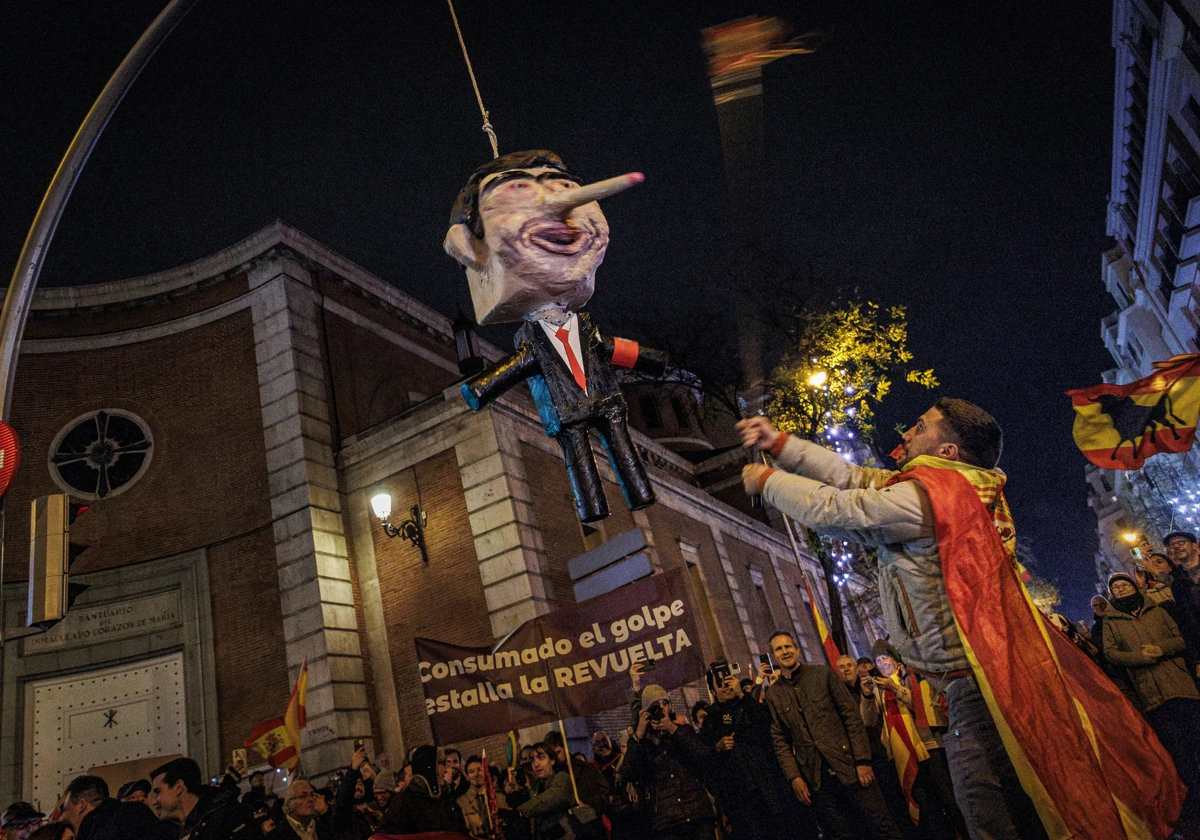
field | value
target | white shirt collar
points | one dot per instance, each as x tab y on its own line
572	327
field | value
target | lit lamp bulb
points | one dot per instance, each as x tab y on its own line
818	379
1129	537
381	503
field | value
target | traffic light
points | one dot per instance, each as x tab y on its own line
51	554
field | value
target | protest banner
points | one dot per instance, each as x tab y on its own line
570	662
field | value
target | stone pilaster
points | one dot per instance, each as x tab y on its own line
508	545
735	591
316	594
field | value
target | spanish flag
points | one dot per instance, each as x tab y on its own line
1088	760
831	648
1119	426
278	740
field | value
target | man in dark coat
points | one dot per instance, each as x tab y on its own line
667	759
821	746
94	816
204	813
750	789
419	807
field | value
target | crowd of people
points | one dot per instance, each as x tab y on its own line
1146	637
715	772
905	743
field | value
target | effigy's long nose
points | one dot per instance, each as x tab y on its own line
562	203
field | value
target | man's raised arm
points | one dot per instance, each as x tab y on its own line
804	458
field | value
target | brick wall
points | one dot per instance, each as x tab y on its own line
743	556
442	600
368	673
251	665
794	581
198	392
670	526
155	310
554	507
372	376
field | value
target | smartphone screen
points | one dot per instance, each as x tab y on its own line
649	665
239	761
765	659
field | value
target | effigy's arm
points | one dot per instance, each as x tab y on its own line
630	355
491	383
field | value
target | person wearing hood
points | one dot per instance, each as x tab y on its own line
419	807
1143	638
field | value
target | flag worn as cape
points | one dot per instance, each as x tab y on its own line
1119	426
1088	760
827	642
904	744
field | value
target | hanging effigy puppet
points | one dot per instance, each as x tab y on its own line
530	237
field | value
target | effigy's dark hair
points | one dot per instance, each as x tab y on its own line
466	205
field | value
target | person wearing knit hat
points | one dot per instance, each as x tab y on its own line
665	757
19	820
653	694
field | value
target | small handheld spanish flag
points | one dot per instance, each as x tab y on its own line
1118	427
278	740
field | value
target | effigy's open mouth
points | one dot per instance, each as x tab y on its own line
557	237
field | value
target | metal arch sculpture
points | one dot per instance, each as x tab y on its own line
33	254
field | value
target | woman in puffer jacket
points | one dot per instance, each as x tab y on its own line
1142	638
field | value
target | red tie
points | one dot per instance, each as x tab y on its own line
563	334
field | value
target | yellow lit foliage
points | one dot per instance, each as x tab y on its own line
860	346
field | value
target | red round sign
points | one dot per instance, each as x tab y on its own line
10	456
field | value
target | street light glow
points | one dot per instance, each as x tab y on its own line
818	379
1130	537
381	504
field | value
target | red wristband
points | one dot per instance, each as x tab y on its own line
780	441
762	479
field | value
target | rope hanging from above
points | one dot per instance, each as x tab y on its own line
487	125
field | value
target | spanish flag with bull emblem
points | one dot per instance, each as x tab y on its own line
1118	427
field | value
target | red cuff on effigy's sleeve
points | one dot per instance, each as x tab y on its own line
625	353
780	441
762	479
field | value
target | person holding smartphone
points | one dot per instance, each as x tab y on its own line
749	786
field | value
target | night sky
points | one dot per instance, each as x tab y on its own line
954	157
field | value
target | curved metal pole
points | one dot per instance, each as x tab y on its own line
33	254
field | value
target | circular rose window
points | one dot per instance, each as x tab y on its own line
101	454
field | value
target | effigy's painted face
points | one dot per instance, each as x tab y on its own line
532	256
